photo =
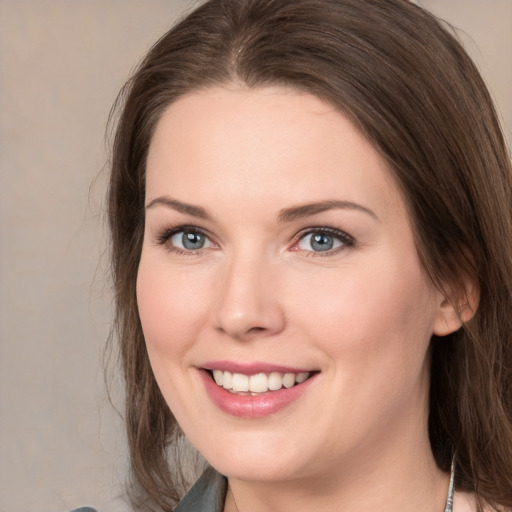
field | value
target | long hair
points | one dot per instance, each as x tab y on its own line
407	84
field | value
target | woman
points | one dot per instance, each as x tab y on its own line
310	207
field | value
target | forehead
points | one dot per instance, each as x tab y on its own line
267	143
224	116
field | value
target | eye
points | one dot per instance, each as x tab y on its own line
185	240
325	240
189	240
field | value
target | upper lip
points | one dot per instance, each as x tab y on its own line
252	368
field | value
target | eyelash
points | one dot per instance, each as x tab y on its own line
346	240
164	237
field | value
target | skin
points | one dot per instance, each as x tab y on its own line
362	314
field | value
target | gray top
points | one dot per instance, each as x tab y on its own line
206	495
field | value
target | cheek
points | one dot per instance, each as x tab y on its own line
376	318
171	306
172	311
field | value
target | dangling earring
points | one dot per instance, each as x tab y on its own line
451	489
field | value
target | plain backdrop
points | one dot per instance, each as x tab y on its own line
61	65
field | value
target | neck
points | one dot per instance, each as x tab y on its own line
401	476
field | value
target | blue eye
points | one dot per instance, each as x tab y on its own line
185	240
189	240
324	241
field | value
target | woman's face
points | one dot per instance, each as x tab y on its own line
277	248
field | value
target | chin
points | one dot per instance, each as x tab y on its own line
256	461
254	470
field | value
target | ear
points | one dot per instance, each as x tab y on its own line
453	312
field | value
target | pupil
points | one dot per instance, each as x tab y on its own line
322	242
192	240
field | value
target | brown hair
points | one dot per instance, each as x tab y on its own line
408	85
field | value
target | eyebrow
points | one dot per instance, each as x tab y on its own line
306	210
285	215
189	209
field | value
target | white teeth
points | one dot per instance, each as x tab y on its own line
240	382
275	381
257	383
301	377
217	375
227	380
288	380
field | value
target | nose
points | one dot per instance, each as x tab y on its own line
248	304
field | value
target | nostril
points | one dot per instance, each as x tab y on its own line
249	321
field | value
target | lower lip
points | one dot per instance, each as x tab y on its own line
258	406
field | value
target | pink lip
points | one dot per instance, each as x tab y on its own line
247	406
250	368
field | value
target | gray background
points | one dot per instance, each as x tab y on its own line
61	65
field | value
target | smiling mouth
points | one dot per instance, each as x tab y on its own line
258	383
